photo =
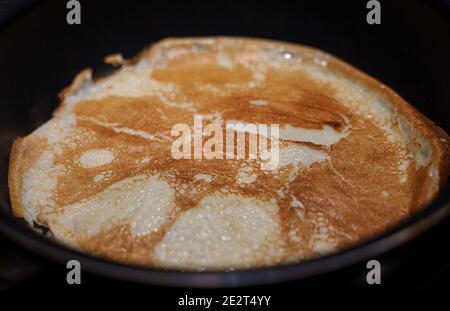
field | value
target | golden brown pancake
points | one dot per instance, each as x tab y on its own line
355	158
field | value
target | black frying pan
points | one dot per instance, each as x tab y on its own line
40	54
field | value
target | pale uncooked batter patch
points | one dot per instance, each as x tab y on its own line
96	157
142	201
224	231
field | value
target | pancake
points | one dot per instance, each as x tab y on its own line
354	158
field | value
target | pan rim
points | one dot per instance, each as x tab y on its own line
400	234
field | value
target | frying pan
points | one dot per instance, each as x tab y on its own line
40	54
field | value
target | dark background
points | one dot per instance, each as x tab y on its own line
408	51
40	54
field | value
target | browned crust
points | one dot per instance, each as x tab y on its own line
25	151
15	175
438	139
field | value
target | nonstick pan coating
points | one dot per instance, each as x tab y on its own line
40	54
